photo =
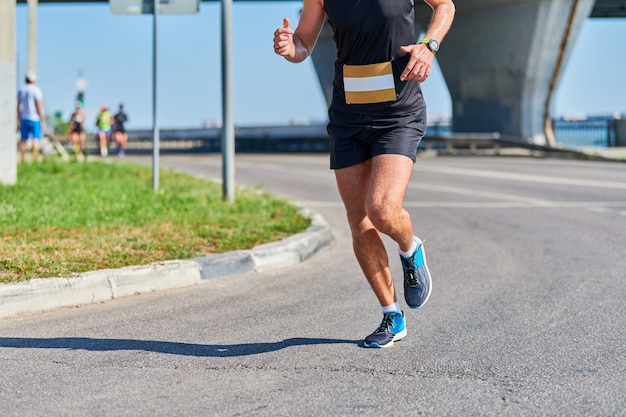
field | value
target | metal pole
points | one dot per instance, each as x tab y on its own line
228	128
32	35
155	122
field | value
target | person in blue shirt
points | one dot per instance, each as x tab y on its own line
30	116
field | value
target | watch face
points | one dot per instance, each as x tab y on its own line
433	45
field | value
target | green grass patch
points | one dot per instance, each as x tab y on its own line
66	218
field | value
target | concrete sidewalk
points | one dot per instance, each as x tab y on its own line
615	153
45	294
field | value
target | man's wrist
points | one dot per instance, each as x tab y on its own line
289	57
292	51
431	44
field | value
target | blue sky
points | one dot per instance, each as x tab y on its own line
114	54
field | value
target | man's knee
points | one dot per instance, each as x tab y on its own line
382	215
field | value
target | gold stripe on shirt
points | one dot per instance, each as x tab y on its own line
367	97
369	70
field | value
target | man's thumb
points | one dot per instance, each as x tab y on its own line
285	23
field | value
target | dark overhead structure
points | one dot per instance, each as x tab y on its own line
609	8
501	61
602	8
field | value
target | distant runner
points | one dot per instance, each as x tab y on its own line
119	131
30	116
104	122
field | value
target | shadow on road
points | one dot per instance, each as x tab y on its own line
173	348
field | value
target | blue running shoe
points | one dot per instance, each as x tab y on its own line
417	280
391	329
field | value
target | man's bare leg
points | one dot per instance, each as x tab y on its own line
22	150
104	151
390	178
35	150
372	193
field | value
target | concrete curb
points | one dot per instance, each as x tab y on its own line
44	294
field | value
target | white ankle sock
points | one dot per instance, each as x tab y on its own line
410	252
393	308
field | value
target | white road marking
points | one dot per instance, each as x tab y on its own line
506	200
477	193
500	175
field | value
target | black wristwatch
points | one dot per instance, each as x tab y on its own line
432	44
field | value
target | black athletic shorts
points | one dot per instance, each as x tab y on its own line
356	138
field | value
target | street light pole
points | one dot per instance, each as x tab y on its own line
32	35
155	122
228	128
81	86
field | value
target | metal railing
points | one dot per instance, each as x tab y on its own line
592	132
589	132
571	134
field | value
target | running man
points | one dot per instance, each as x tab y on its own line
77	131
377	119
119	131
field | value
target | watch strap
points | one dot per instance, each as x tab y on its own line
426	41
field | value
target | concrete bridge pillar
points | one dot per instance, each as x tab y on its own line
324	55
8	93
501	61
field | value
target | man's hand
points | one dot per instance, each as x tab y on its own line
420	63
283	41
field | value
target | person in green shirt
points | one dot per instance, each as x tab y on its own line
104	122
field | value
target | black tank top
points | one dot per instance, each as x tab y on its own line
370	32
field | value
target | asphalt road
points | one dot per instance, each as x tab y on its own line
526	316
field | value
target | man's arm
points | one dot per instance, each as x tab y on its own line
297	45
42	117
443	15
421	61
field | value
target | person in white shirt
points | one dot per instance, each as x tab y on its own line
30	115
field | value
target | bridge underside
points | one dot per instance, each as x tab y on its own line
609	8
602	8
501	60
